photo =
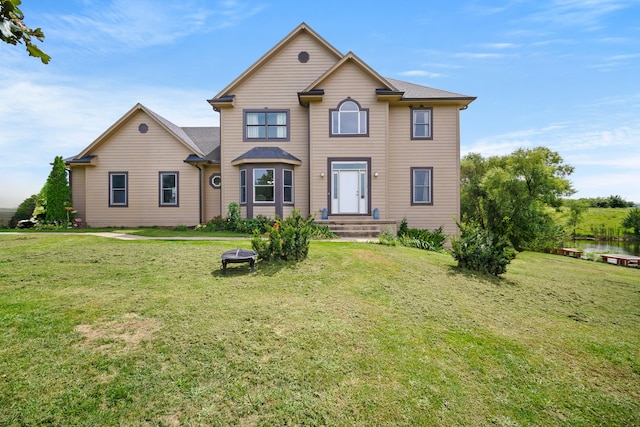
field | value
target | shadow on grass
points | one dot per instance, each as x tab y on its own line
262	268
480	277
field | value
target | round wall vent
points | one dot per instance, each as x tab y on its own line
303	57
143	128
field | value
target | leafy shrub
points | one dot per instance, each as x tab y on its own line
388	238
288	240
481	250
421	238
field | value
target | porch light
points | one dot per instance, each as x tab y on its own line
321	174
375	174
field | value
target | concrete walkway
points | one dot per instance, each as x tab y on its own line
125	236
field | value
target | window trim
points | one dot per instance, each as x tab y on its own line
161	202
265	111
243	186
113	204
413	124
284	186
422	203
360	110
272	185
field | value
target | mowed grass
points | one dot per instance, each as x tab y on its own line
97	331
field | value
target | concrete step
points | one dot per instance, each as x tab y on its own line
359	228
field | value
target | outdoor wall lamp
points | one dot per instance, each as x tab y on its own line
321	174
375	174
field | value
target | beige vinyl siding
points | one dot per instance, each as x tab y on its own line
349	81
142	156
274	85
211	196
442	153
78	186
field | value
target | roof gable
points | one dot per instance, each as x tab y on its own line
177	132
226	94
350	57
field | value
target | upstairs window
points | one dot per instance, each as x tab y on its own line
349	120
118	191
168	188
421	123
266	125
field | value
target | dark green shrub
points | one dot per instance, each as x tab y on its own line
481	250
286	239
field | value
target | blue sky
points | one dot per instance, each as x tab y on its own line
557	73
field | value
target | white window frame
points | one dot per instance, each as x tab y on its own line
269	184
285	186
243	186
348	111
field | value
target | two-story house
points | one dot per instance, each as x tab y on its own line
305	127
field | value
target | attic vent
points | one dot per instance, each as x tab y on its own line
303	57
143	128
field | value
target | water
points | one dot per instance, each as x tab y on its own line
612	247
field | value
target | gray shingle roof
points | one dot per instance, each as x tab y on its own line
207	139
267	153
415	91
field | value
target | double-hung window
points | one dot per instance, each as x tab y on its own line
168	188
263	185
266	125
422	186
287	184
421	123
118	191
349	120
243	186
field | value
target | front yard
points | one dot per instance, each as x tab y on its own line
98	331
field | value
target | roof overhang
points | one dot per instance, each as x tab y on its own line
266	155
226	101
82	161
304	98
389	95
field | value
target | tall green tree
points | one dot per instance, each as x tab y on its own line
577	208
57	193
632	221
510	195
14	31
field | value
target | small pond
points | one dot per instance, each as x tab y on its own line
612	247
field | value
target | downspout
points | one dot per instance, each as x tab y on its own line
309	158
199	192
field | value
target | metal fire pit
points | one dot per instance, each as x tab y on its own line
235	256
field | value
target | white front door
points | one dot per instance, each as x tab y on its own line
349	188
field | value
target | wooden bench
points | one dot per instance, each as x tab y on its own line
625	260
237	256
573	252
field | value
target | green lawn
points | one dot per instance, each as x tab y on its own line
98	331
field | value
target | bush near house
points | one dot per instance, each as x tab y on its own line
288	240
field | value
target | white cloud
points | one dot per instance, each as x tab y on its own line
419	73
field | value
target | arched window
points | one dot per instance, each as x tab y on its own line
349	119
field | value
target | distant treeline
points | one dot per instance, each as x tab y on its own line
606	202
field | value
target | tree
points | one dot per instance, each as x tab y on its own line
510	195
24	211
57	193
14	31
577	208
632	220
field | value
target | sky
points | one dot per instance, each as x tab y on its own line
564	74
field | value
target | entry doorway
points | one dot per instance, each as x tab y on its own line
349	187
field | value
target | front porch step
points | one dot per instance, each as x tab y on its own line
359	228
